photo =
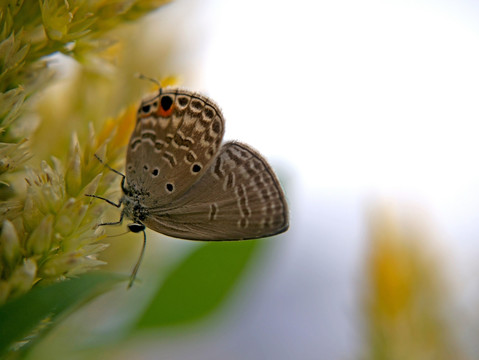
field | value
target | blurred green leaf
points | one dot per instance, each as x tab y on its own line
26	314
199	284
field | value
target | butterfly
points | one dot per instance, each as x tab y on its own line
182	181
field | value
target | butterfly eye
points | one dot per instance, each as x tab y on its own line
135	227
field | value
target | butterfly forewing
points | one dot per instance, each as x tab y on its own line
239	197
177	136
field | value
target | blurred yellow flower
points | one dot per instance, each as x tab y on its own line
407	294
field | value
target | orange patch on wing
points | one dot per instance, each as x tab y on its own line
165	113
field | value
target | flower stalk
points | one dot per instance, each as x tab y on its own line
48	226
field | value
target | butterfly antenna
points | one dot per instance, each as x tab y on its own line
138	263
143	77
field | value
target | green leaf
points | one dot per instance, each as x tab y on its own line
199	284
24	315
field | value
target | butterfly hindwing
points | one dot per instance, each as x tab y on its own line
239	197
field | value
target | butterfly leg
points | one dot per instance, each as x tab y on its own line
111	203
119	222
123	177
108	166
104	199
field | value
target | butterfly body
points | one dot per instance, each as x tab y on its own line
133	208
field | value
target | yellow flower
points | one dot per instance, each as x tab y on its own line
406	292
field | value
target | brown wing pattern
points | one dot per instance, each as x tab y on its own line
239	197
177	136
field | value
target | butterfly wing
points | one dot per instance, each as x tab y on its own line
177	136
239	197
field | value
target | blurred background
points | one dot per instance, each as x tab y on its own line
368	113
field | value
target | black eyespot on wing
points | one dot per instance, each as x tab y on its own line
136	227
155	172
166	102
145	108
169	187
196	168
